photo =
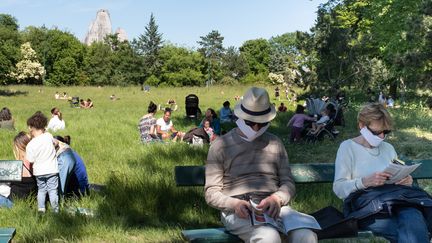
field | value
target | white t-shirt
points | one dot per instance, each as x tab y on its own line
354	161
164	126
41	152
56	124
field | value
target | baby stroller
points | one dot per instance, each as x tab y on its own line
192	107
74	102
315	106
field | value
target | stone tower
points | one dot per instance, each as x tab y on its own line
99	28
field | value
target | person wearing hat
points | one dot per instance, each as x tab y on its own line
249	163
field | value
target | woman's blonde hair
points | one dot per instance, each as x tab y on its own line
375	112
19	145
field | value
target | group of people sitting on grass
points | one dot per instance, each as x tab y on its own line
50	166
64	96
86	104
55	124
162	129
249	163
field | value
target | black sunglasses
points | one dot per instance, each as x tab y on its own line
376	133
251	123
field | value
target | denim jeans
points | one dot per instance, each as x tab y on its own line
404	225
66	163
47	184
5	202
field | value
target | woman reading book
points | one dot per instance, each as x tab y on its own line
360	179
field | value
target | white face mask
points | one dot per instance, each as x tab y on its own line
373	140
248	131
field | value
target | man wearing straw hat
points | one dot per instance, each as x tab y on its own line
249	163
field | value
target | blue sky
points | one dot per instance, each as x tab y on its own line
181	22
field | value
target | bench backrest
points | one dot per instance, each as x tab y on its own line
302	173
10	170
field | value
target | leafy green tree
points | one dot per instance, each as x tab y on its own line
52	46
9	22
351	35
257	55
211	47
127	66
181	67
149	45
28	69
65	72
234	64
9	46
97	63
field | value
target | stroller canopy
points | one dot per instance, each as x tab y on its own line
192	105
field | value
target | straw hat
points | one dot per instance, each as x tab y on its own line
255	106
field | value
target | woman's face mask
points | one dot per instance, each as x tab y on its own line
373	140
249	132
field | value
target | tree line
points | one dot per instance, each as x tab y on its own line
354	43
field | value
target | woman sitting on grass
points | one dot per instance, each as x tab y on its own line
6	119
214	121
56	122
165	128
27	185
78	182
147	125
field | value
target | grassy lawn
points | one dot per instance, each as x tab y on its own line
141	202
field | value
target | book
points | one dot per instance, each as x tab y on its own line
399	170
289	219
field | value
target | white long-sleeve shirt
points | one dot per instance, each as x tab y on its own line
56	124
354	161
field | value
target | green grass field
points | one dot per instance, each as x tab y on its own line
141	202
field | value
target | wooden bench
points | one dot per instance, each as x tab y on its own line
10	170
311	173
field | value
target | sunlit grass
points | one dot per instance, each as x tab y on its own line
141	202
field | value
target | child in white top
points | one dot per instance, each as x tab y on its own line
56	123
40	151
320	124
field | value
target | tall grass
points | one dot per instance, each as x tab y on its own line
141	202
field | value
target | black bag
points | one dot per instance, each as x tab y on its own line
334	224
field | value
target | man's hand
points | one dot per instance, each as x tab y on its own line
407	181
376	179
271	205
241	208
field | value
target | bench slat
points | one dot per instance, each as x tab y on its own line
10	170
424	171
6	234
190	175
212	235
302	173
